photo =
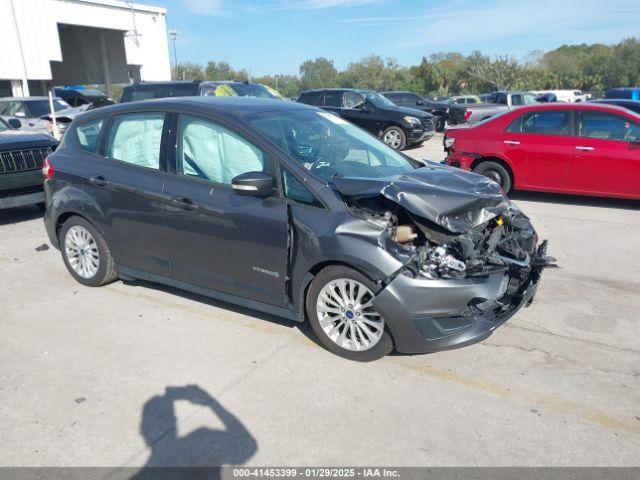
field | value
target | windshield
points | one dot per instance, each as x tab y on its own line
328	145
38	108
238	89
378	100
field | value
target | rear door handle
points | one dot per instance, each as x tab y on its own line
184	203
512	142
98	180
587	149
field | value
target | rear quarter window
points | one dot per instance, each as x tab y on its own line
88	135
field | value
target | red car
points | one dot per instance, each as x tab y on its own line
579	148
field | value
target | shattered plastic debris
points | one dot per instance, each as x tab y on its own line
455	200
42	248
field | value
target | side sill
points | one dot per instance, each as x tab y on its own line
128	272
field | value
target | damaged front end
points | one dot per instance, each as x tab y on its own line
470	259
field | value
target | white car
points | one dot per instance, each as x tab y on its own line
34	113
566	96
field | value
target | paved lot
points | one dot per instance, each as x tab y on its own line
135	374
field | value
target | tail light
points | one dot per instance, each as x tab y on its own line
467	115
47	169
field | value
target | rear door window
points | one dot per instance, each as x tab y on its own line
543	123
88	134
606	126
309	98
136	138
332	99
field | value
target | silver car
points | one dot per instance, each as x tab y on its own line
34	113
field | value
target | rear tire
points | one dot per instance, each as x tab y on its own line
495	172
85	253
339	309
395	138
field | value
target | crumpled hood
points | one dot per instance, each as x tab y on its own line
451	198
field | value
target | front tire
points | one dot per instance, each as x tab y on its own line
86	254
395	138
496	172
340	310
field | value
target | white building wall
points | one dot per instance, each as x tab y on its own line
38	32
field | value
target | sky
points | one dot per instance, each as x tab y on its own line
276	36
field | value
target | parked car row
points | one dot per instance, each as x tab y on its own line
337	228
588	148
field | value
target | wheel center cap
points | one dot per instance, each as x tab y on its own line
349	314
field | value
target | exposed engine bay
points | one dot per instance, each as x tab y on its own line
441	235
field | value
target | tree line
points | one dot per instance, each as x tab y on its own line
593	68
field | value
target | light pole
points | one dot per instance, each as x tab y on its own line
173	34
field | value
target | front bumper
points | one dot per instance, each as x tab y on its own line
20	189
426	315
419	135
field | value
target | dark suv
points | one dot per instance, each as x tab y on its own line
21	156
439	110
151	90
396	126
294	211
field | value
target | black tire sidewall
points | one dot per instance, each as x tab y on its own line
100	276
484	167
384	345
403	137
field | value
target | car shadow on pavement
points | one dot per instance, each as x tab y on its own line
19	214
202	452
578	200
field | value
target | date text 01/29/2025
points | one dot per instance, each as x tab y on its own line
315	472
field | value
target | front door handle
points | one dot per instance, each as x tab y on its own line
587	149
512	142
98	180
184	203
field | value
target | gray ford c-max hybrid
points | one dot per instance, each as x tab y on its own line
291	210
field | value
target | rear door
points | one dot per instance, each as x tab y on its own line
125	182
540	146
332	101
219	239
606	154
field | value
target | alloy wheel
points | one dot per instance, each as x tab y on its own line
347	316
81	251
393	139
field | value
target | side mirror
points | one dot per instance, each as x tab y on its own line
420	102
20	114
253	184
14	123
